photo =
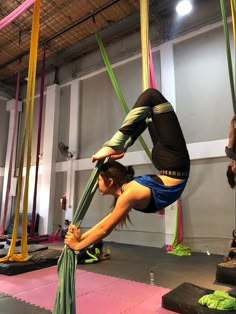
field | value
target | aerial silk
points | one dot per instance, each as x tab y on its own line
144	44
219	300
65	297
32	224
28	123
233	11
177	248
228	52
151	69
153	85
17	12
178	236
117	88
8	187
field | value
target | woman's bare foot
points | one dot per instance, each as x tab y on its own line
107	152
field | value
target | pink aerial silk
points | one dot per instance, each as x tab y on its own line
179	235
17	12
2	226
153	85
32	224
151	68
180	222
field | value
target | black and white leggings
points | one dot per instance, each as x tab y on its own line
169	154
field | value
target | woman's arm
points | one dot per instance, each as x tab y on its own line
102	229
231	133
84	235
107	152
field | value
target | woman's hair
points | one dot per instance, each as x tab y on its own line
116	171
120	175
233	233
230	176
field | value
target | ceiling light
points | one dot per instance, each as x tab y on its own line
184	7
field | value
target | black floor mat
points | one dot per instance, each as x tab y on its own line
38	259
31	248
226	273
10	305
184	299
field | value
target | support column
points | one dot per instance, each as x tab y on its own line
73	146
168	72
10	106
168	90
50	141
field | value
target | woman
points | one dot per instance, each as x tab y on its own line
232	246
147	193
62	230
230	151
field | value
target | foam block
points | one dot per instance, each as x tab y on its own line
38	260
184	299
226	273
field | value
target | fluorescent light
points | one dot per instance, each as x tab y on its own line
184	7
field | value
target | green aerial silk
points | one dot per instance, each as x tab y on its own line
117	89
219	300
230	68
65	297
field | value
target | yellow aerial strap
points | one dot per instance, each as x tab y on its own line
27	133
144	43
233	11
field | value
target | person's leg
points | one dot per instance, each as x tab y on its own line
170	151
231	255
169	147
136	120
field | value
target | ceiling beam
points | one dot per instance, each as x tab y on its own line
47	41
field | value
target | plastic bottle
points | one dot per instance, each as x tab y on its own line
108	250
207	251
152	278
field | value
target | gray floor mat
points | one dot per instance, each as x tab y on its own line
10	305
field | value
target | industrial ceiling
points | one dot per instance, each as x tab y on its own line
67	27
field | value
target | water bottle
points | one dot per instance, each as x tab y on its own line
152	278
108	251
207	251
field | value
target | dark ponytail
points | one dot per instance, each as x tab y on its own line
231	177
118	172
120	175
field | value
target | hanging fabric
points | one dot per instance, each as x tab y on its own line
144	43
28	123
17	12
233	12
228	53
178	235
3	223
32	224
177	248
151	69
117	88
66	265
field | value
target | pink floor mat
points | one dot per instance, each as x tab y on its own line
95	293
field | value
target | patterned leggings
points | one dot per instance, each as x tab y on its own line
169	151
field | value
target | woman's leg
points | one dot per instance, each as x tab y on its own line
170	150
169	147
136	120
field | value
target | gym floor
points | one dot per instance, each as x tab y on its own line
132	263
